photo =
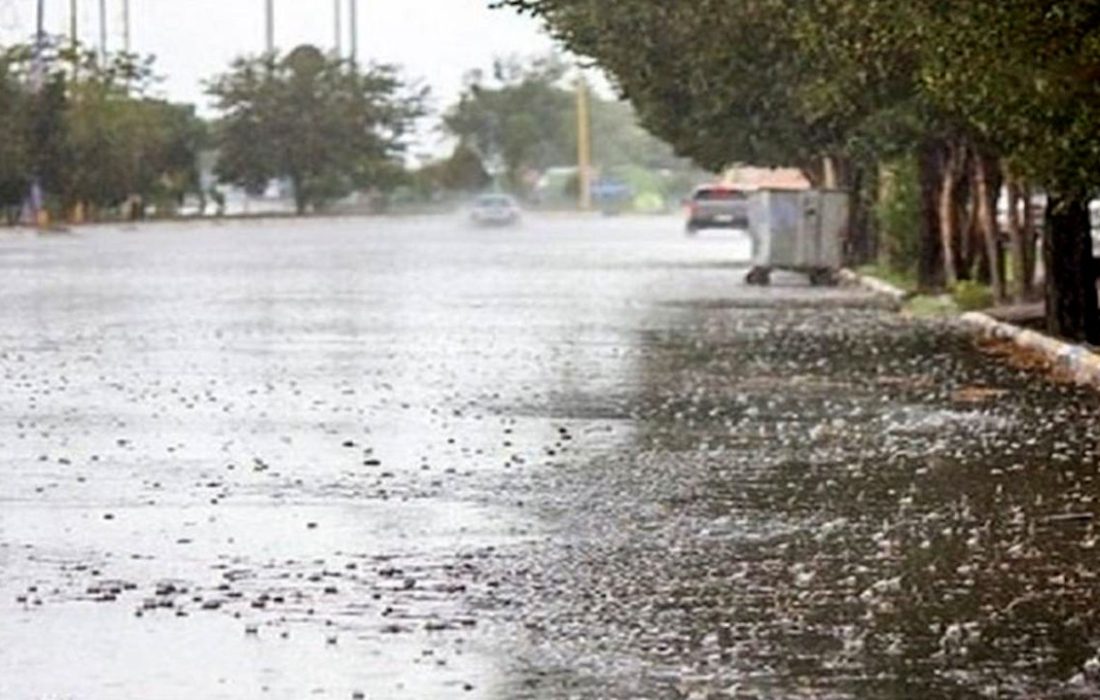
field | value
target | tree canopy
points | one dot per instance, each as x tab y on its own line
15	158
325	124
89	132
979	91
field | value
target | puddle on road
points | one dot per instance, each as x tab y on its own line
109	655
557	478
213	438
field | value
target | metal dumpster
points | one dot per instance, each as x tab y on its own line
799	230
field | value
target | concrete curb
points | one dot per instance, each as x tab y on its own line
875	285
1078	362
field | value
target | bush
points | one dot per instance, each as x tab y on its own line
972	296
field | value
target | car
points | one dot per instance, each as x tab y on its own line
717	206
495	210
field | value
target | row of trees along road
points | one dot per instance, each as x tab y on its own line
978	94
89	132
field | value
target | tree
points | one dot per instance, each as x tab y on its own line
15	159
839	86
525	118
119	144
463	171
618	140
522	117
322	123
766	82
86	130
1024	75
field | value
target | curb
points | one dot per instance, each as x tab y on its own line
1077	361
875	285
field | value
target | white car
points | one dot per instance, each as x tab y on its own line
495	210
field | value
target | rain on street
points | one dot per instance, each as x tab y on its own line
374	458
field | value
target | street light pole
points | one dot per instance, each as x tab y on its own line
40	33
270	25
36	200
73	26
353	19
103	30
338	29
126	25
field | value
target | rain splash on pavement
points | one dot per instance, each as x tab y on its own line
365	458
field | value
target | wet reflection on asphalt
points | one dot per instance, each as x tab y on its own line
577	459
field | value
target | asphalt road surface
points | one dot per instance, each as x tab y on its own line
577	459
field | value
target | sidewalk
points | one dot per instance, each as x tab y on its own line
1074	362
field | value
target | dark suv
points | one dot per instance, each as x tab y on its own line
717	206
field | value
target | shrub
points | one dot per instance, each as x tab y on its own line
971	296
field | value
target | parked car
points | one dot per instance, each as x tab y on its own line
495	210
717	206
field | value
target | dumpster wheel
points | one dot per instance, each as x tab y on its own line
824	277
759	277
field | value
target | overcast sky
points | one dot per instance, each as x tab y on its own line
437	41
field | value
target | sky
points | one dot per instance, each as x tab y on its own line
437	41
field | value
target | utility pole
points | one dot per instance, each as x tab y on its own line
126	25
584	147
40	33
74	37
269	6
103	30
353	19
38	69
36	201
338	43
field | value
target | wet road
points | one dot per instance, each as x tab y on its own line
577	460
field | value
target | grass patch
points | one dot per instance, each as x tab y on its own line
905	281
928	306
972	296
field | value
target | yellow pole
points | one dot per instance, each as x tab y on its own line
584	147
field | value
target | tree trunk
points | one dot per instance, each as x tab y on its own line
985	191
813	173
930	259
301	201
971	248
953	155
964	227
1031	237
830	181
1070	269
1021	287
826	173
860	249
